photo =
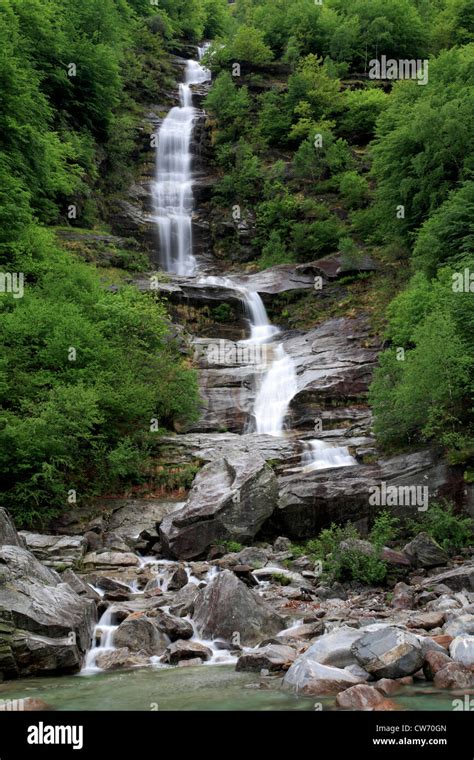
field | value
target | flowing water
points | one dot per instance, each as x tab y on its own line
173	194
318	455
173	197
190	688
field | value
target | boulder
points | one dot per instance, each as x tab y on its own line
308	677
60	552
388	686
45	626
106	560
140	634
403	597
426	620
463	625
174	627
434	661
388	653
273	657
359	697
335	648
305	631
454	676
120	659
186	650
184	600
230	499
131	517
179	579
423	551
227	607
254	557
79	585
461	650
457	579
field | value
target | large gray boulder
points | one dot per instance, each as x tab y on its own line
231	498
461	650
306	676
423	551
334	648
389	653
140	634
45	626
60	552
228	609
458	579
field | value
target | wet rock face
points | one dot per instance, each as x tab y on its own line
45	626
231	498
120	659
389	653
140	634
312	501
60	552
8	532
229	610
273	657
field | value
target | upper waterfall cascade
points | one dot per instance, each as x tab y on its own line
172	192
173	196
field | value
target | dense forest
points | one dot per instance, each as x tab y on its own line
321	157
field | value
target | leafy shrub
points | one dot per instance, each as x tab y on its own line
354	189
451	531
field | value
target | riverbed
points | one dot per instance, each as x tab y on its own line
189	688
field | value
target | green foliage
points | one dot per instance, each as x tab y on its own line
451	531
230	105
447	236
313	94
274	251
232	546
354	189
222	313
424	143
248	46
362	109
84	371
423	394
353	565
281	579
384	530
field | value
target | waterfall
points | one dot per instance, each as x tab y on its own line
274	396
319	455
172	192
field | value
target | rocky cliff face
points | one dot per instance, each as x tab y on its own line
45	626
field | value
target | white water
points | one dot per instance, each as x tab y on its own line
172	192
318	455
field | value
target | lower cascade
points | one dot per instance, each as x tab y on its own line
318	455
